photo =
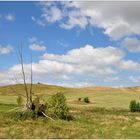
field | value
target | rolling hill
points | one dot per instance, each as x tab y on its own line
99	96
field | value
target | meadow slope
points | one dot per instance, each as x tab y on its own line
99	96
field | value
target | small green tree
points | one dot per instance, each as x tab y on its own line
86	100
57	106
133	106
20	101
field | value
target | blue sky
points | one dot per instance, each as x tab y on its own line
72	43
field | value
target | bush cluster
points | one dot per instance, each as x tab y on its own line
57	107
86	99
134	106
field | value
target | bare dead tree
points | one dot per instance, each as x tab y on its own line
29	102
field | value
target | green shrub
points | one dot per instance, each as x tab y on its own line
134	106
57	106
86	100
79	99
20	101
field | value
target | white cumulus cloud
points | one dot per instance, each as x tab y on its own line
5	49
118	19
132	44
36	45
135	79
87	61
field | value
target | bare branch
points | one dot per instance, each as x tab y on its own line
47	116
23	72
31	85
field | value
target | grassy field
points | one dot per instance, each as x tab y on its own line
106	116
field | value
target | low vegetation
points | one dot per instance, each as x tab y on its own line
86	100
134	106
88	123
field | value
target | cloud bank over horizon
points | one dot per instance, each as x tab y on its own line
87	61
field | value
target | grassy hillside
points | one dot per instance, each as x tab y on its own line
106	116
99	96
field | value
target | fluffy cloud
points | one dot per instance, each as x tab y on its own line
132	44
118	19
85	62
5	49
135	79
41	70
92	60
129	65
51	14
75	18
89	60
88	55
36	45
